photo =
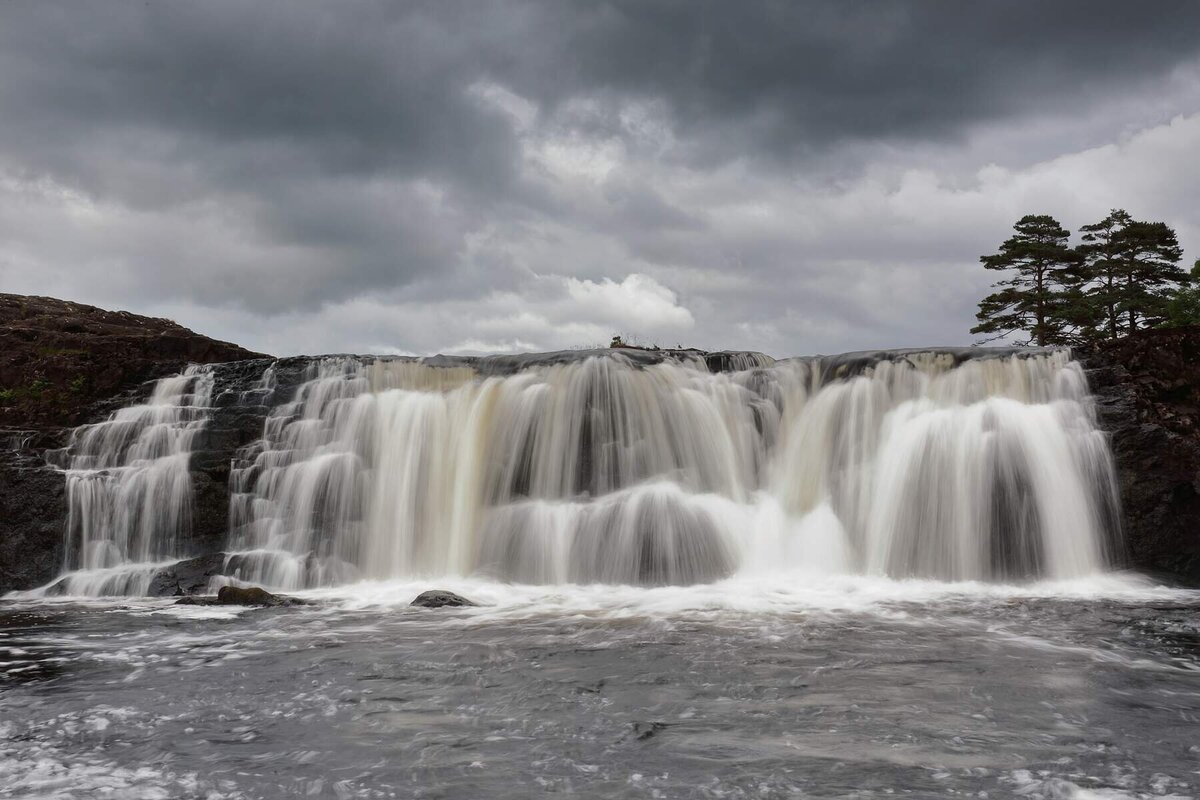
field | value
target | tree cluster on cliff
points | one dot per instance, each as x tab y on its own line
1123	276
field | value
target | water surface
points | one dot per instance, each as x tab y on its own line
842	688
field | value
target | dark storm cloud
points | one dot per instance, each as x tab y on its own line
796	77
363	87
340	150
351	94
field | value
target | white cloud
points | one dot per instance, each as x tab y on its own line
637	300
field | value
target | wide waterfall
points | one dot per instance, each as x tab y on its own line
602	469
615	467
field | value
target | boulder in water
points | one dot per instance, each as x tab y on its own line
186	577
440	598
242	596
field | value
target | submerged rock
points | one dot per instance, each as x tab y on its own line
440	598
647	730
186	577
242	596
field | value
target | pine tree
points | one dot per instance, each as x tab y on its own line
1101	253
1184	306
1150	272
1041	296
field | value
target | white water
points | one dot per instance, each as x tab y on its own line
600	471
129	492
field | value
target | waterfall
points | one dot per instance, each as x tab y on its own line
621	467
606	469
128	486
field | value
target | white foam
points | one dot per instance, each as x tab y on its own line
761	595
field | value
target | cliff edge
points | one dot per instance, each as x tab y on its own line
58	358
1147	389
63	364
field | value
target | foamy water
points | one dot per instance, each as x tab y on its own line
844	687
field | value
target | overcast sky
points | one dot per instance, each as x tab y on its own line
494	176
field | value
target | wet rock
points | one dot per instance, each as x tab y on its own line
1147	389
56	589
254	596
594	688
32	516
647	730
440	598
242	596
187	577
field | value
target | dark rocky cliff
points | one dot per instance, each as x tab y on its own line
58	359
1147	391
63	364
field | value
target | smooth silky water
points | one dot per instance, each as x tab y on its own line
859	576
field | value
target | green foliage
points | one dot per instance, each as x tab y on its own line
39	390
1132	273
1102	254
1043	279
78	384
1184	308
1123	276
50	352
1151	272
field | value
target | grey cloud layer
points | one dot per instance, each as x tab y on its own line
514	174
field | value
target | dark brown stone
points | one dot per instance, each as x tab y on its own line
57	358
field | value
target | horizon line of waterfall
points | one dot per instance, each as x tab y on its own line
128	485
935	464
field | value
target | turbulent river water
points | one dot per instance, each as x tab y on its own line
849	687
698	575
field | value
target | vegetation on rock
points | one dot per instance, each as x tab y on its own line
58	358
1123	277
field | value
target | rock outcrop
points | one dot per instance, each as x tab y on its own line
63	364
59	359
187	577
32	510
1147	389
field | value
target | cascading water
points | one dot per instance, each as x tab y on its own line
603	469
614	468
129	491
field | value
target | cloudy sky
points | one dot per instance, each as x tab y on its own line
791	177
